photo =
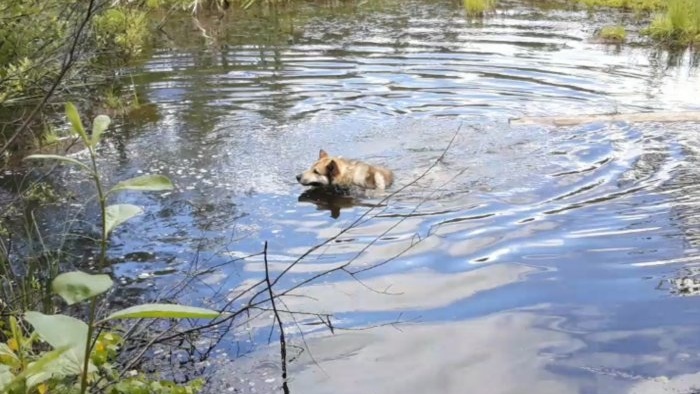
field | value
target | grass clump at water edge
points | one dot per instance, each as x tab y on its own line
478	7
678	25
613	34
635	5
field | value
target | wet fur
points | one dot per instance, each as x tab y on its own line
345	173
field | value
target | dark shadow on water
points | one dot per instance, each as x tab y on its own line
333	200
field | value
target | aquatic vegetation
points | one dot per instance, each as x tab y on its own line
124	29
678	21
478	7
635	5
678	25
613	34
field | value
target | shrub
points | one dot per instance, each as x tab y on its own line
123	29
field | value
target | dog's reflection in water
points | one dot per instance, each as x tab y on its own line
331	199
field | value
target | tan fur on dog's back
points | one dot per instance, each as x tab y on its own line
358	173
338	171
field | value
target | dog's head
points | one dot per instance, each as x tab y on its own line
322	172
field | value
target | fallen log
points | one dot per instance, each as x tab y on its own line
690	116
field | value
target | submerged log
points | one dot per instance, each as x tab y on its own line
690	116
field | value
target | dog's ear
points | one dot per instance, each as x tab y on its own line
322	153
332	169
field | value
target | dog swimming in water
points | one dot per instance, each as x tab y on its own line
345	173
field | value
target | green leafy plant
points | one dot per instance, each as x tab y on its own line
112	215
75	352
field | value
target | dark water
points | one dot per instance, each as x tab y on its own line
528	260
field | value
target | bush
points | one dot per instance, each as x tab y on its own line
34	37
122	29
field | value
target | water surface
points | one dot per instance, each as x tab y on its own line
528	257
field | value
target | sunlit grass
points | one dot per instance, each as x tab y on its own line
635	5
615	34
478	7
678	25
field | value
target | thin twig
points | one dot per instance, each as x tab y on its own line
283	342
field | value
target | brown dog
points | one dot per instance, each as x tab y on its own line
344	173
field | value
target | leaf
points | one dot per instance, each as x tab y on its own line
163	311
6	377
58	157
59	330
7	356
99	125
74	118
68	337
77	286
44	368
68	363
151	182
118	214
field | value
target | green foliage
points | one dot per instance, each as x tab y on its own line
678	25
65	159
73	361
635	5
119	213
478	7
74	118
33	37
613	34
160	311
144	183
41	193
123	28
99	125
78	286
113	215
25	366
178	4
140	385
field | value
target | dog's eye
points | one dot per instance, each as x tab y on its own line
316	172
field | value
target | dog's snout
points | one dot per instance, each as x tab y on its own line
298	177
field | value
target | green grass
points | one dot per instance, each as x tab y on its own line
678	25
478	7
613	34
635	5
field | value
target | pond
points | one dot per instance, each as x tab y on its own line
527	256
